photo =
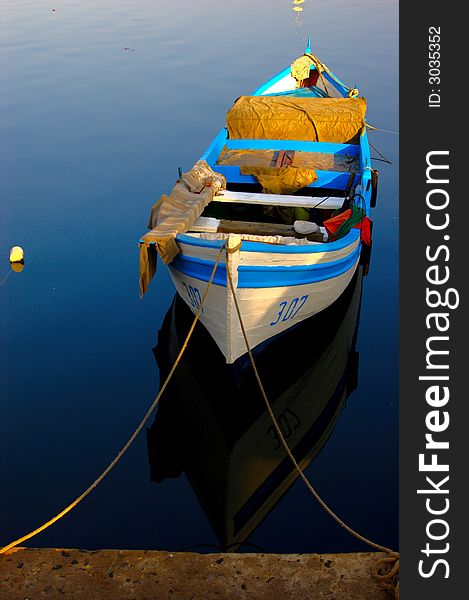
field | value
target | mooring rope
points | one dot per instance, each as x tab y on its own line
136	432
373	128
385	570
387	578
5	277
384	158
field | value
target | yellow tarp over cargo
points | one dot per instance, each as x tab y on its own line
287	118
284	180
175	214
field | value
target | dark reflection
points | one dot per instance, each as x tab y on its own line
17	267
212	422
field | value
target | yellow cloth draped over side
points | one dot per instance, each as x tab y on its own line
175	214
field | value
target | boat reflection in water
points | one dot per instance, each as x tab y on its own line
212	423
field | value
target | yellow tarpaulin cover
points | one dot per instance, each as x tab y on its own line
283	180
288	118
175	214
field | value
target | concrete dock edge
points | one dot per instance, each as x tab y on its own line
54	573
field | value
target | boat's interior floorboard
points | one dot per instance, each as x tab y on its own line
252	228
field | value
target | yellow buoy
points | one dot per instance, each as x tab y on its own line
297	8
17	254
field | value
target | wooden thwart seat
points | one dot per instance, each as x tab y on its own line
279	200
212	225
297	145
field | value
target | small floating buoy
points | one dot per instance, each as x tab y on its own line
17	254
17	259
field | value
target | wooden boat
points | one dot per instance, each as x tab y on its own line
284	270
229	450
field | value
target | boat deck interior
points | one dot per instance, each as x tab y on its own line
337	167
337	181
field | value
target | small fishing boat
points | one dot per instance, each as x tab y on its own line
286	188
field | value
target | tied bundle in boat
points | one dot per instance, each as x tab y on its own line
176	213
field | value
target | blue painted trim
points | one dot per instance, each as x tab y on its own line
260	90
348	239
340	87
199	269
365	158
301	145
212	153
364	186
308	92
265	277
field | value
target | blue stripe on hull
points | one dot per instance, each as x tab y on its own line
263	276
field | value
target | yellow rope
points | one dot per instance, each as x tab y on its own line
2	281
373	128
134	435
320	67
393	556
387	579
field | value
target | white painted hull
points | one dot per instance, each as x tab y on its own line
266	311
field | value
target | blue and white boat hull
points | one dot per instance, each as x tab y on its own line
276	286
282	275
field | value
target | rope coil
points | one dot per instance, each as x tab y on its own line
386	571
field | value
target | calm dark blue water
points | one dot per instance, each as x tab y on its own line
99	105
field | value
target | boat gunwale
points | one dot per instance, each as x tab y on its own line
248	246
267	276
276	78
337	84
